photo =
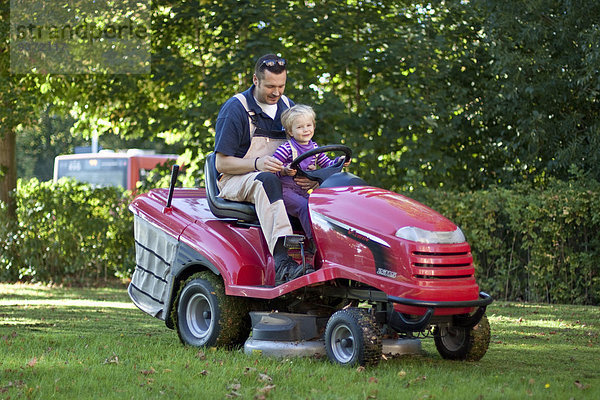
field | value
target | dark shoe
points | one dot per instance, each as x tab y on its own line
287	270
295	271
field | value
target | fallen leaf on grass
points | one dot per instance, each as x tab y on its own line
360	369
32	362
264	378
233	389
416	380
373	394
204	372
581	385
114	359
17	384
373	380
148	371
266	389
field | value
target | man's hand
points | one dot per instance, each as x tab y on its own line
237	166
305	183
269	164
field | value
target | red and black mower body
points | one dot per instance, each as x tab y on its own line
372	246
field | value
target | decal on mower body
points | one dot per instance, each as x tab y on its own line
378	247
386	273
347	230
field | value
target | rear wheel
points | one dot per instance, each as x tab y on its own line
456	343
205	316
352	337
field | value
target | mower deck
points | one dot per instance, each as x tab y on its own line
284	335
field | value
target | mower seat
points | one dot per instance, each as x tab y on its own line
222	208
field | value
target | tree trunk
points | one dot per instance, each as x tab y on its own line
8	169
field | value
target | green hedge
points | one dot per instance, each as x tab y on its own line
67	232
531	244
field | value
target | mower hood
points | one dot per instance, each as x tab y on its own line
383	213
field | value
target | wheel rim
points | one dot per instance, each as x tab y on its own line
199	315
342	344
453	338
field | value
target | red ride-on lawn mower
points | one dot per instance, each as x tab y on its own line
388	270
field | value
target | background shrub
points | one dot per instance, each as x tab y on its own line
67	232
531	244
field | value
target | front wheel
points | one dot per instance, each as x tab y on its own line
352	337
205	316
456	343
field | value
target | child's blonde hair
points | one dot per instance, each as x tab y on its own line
289	116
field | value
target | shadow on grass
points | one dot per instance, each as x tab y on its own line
116	292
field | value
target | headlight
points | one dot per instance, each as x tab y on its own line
422	236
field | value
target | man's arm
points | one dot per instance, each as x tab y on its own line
237	166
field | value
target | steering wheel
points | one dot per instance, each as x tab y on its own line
321	174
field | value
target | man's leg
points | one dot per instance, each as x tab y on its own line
264	190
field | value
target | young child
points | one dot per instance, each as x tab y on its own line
299	123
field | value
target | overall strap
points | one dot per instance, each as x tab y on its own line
252	114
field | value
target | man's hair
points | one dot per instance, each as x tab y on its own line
299	110
260	66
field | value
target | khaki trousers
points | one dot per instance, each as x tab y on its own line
273	217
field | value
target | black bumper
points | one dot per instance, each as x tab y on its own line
400	323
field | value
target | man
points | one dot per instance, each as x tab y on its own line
248	130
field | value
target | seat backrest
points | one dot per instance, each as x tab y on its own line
220	207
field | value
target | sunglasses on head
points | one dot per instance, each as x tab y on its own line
272	62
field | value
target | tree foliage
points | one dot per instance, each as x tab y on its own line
540	105
460	94
455	94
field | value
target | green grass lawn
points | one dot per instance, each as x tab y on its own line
93	343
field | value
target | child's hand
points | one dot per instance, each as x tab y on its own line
287	171
347	162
